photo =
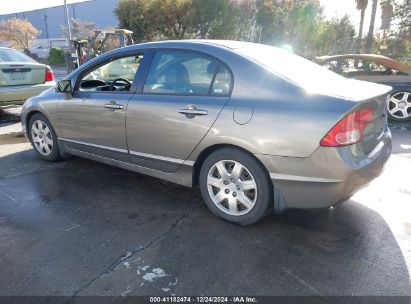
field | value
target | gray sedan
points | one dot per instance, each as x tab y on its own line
256	128
22	77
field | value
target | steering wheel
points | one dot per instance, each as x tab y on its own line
125	81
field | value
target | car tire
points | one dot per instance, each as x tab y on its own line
43	138
395	98
235	186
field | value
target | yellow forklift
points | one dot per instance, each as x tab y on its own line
82	51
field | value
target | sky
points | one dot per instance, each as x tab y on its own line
340	8
16	6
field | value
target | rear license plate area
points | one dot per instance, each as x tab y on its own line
17	73
17	76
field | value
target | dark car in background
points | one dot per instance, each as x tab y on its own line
22	77
378	69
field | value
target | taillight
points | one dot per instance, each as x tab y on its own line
49	75
349	130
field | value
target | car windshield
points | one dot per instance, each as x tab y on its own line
8	55
293	68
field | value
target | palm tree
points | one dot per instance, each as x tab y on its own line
361	6
370	37
387	13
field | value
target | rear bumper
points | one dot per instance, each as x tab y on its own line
329	176
18	94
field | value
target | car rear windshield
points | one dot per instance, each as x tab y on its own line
14	56
293	68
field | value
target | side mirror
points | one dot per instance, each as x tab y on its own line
64	86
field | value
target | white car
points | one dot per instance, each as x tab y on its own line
21	77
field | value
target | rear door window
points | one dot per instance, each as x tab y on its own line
9	55
187	73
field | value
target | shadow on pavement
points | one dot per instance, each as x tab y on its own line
9	114
82	228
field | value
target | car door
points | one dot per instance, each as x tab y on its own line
93	119
182	96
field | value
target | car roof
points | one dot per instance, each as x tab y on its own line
391	63
229	44
214	46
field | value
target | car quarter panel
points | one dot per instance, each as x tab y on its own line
329	176
285	120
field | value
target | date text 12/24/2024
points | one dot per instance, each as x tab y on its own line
203	299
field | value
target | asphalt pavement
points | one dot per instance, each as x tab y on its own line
77	227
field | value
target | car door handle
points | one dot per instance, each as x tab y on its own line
113	106
193	111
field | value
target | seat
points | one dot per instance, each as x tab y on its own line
177	79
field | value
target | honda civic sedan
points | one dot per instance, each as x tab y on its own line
258	129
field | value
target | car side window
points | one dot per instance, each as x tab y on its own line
114	76
187	73
360	67
222	82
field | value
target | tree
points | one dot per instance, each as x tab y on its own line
245	20
56	56
402	14
387	14
370	37
288	22
296	24
80	29
154	19
132	15
361	6
169	17
21	34
214	19
177	19
391	45
335	36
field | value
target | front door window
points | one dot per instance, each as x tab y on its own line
114	76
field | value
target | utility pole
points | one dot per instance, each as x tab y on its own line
68	26
68	58
47	29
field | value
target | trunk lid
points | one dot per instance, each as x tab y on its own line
19	73
352	89
374	130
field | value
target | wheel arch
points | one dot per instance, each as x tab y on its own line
207	151
29	115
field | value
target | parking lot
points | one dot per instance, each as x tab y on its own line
77	227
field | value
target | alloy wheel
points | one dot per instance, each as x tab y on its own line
399	105
42	137
232	187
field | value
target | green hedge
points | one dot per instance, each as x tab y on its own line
56	56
